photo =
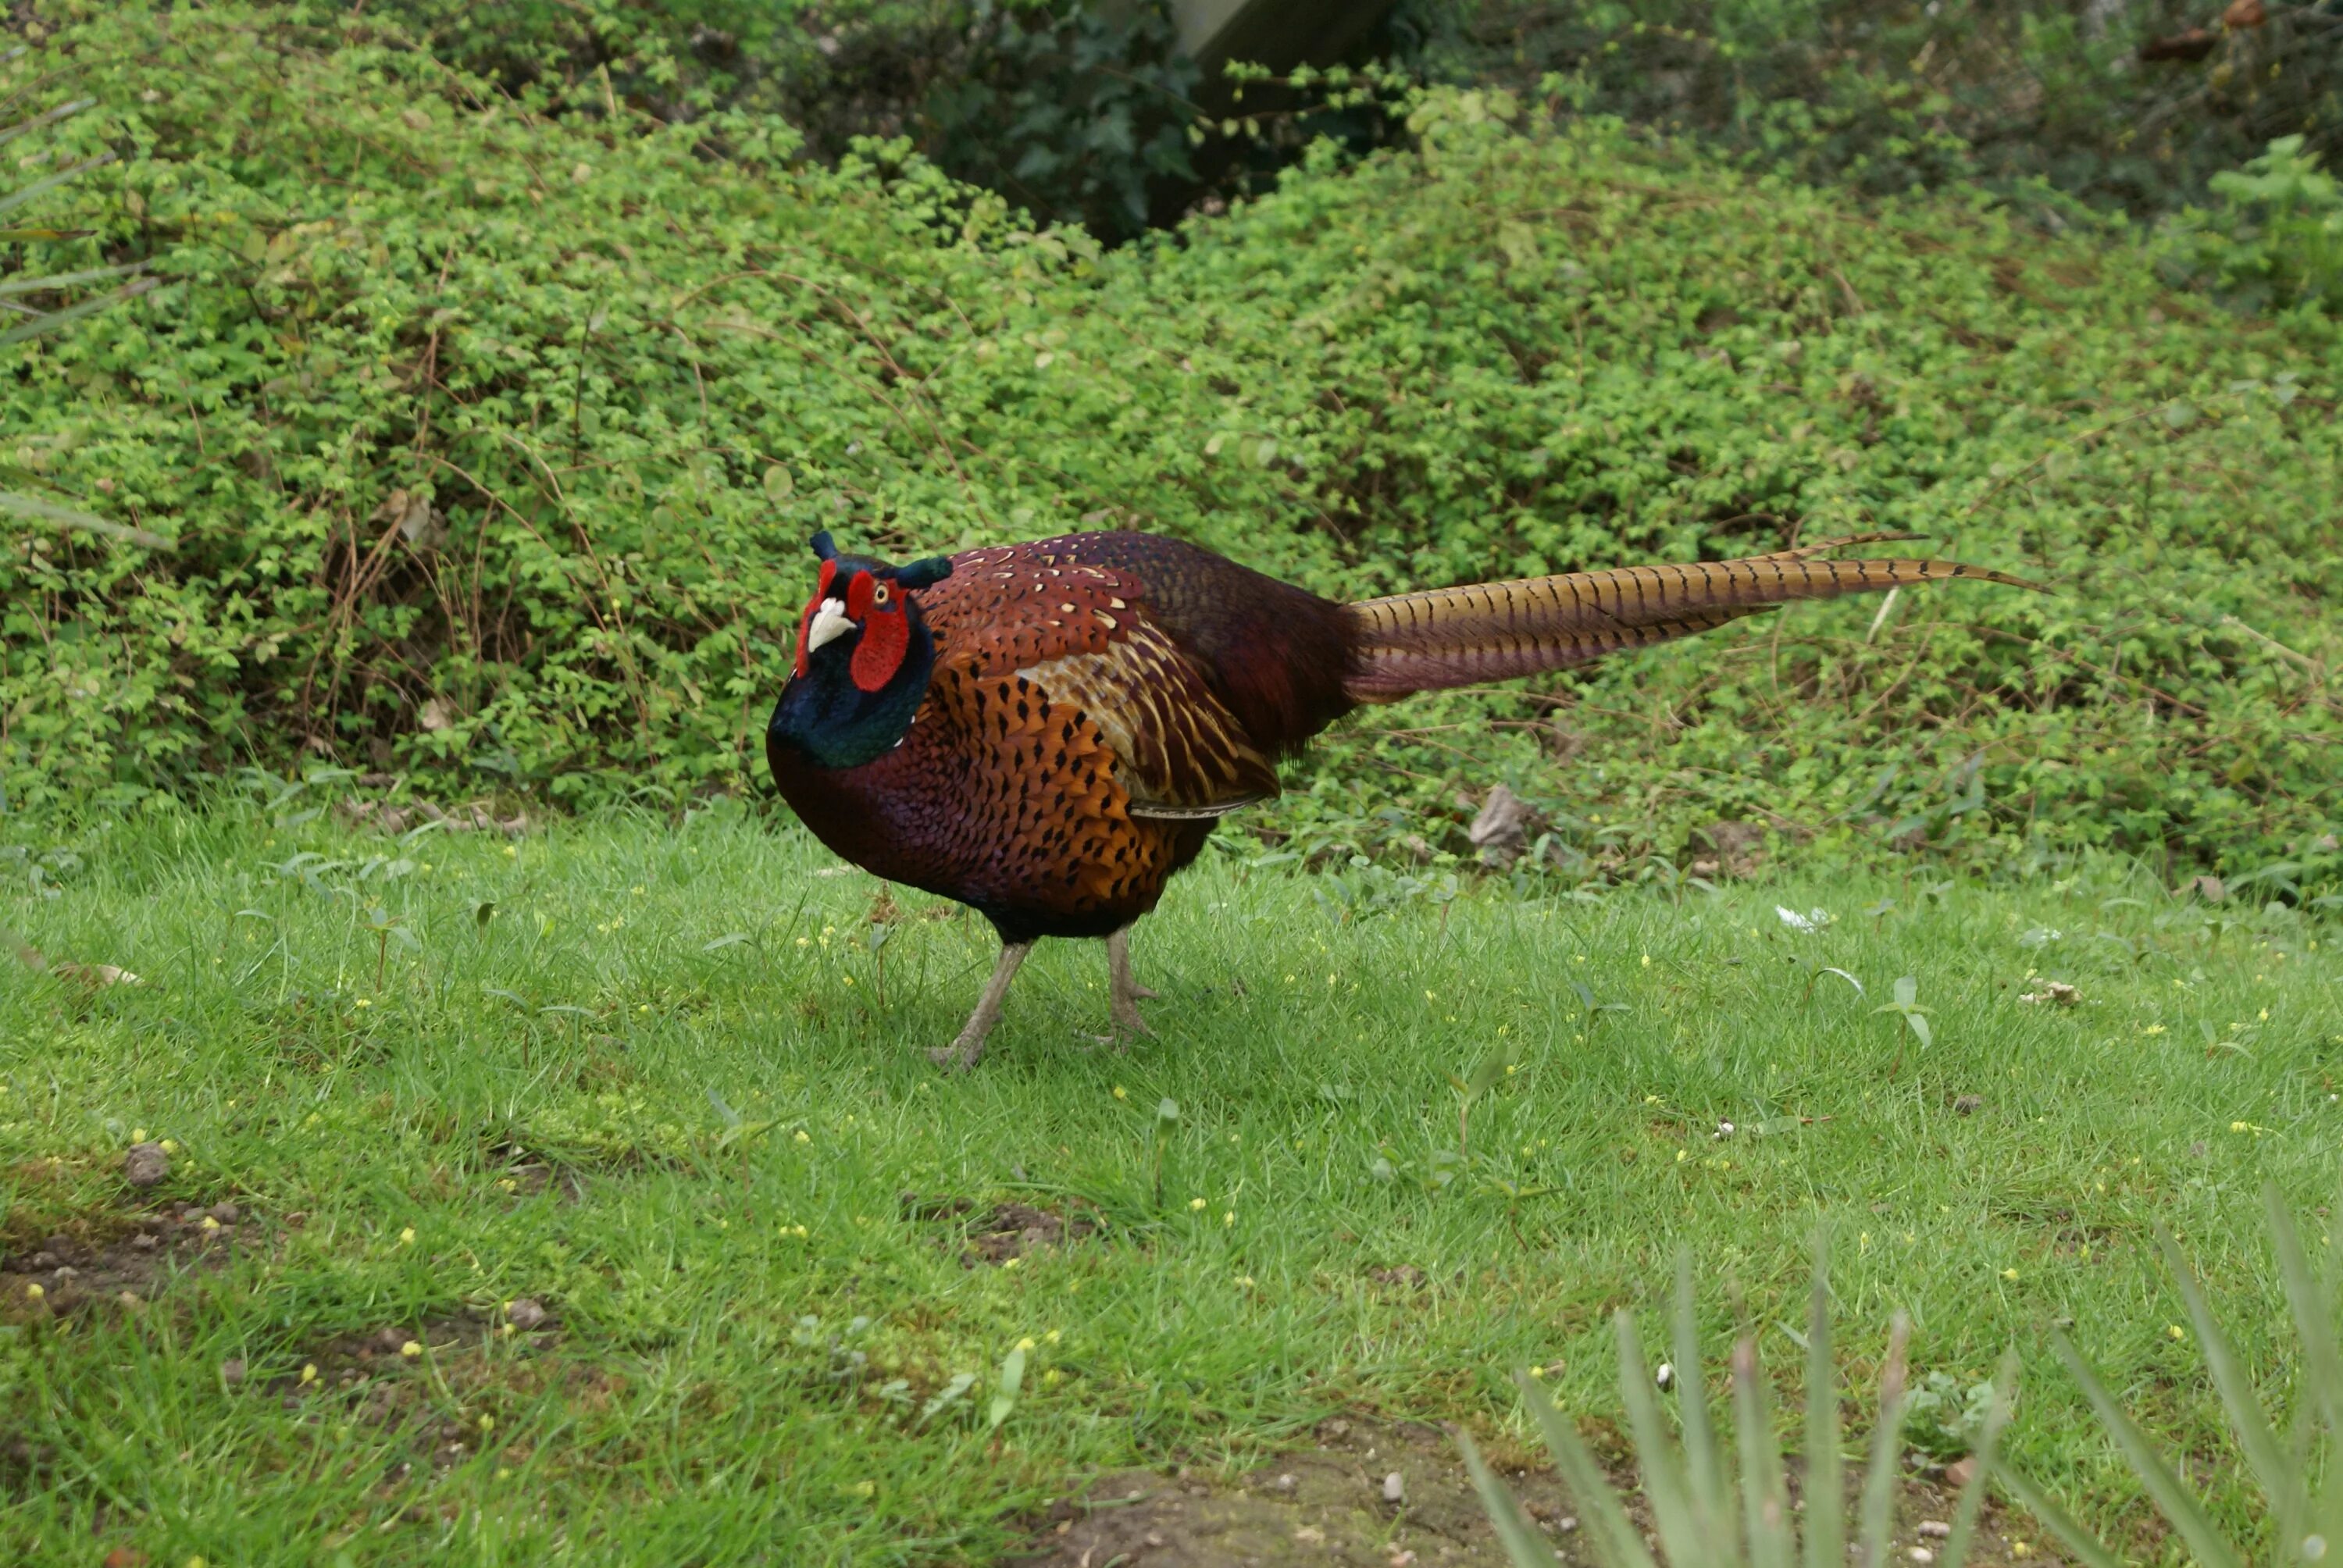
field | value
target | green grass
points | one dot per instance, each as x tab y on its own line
634	973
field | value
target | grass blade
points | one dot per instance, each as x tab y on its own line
1620	1544
1826	1488
1886	1446
1522	1543
50	320
2322	1364
65	279
2282	1482
1765	1498
40	121
1703	1465
2180	1510
1672	1509
23	506
1972	1502
19	196
2071	1535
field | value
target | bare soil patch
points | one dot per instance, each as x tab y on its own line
125	1259
1378	1494
1004	1230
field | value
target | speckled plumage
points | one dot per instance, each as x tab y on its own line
1076	743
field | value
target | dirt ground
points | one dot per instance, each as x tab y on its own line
1336	1505
126	1259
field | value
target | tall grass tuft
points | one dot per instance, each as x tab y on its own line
1710	1508
1707	1511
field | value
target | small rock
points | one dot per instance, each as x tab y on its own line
67	1274
1155	1538
1960	1472
146	1241
1922	1554
226	1214
1936	1529
1968	1104
1566	1523
42	1260
1394	1487
389	1340
1501	831
1666	1377
525	1314
232	1370
1286	1483
146	1165
1336	1429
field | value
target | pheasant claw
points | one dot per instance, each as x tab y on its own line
963	1053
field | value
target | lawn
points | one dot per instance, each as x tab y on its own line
650	1078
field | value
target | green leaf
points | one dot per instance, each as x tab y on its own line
1621	1541
2071	1535
2181	1511
1523	1545
1684	1529
1877	1507
1765	1490
1004	1398
1825	1527
1488	1073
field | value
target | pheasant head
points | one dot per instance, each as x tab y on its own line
863	657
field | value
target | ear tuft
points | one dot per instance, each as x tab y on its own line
924	573
822	547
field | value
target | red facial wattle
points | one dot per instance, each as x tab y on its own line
878	607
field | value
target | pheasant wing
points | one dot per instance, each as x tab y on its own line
1081	633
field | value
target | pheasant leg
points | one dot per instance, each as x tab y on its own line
962	1054
1125	995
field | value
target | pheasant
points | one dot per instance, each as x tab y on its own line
1046	732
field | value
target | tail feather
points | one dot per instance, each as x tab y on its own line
1494	631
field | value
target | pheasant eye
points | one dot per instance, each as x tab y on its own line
880	594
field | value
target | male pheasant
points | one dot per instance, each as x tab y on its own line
1047	731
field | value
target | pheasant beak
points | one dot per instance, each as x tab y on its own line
829	623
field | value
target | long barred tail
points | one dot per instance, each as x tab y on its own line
1494	632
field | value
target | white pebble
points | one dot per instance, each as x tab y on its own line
1394	1487
1666	1376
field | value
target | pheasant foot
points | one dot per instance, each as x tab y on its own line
962	1053
1124	994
